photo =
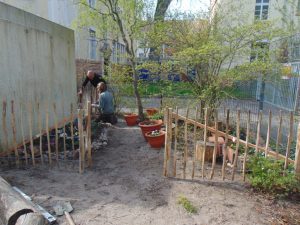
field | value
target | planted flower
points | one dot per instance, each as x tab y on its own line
155	133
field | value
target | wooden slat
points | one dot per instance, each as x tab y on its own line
4	106
169	133
30	132
13	125
48	136
72	128
205	137
268	134
22	132
185	156
225	145
216	145
246	147
279	136
81	142
56	131
258	132
195	140
237	144
89	136
40	131
175	143
290	138
297	155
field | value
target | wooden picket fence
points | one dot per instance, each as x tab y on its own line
190	129
31	157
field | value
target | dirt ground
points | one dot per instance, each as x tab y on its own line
126	186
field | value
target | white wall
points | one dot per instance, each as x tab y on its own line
37	61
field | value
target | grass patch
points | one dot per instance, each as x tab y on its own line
186	204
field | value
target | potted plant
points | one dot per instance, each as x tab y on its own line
151	111
131	119
156	138
150	125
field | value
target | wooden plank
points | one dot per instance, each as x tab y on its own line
81	141
185	156
166	118
22	132
258	132
56	132
279	136
175	143
297	156
205	137
225	145
237	144
268	134
246	147
40	131
216	145
72	129
48	136
290	138
89	136
195	140
13	125
169	134
230	137
30	132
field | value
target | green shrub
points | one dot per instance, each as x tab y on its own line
186	204
267	175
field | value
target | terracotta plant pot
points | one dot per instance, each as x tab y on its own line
150	125
151	111
131	119
157	140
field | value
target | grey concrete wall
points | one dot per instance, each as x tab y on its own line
37	64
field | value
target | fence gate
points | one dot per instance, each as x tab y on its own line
203	144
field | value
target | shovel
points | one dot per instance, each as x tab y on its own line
64	208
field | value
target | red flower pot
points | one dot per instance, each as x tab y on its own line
150	125
151	111
157	140
131	119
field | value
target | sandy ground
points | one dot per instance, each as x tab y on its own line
126	186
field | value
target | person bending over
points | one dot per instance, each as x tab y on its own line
92	77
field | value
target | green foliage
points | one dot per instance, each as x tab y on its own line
186	204
267	175
157	116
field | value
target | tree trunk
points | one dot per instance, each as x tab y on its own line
14	209
136	92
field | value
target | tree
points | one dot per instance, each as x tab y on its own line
118	20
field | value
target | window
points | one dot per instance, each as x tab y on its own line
261	10
92	44
92	3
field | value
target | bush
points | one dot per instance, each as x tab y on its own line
186	204
267	175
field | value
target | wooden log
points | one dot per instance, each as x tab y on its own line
225	145
258	132
89	135
56	131
246	147
81	141
216	146
13	206
237	144
40	132
185	156
290	138
195	146
279	136
205	137
69	218
30	132
13	125
22	132
268	134
230	137
175	143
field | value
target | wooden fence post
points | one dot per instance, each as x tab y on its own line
185	143
13	124
297	156
175	143
166	119
88	133
81	140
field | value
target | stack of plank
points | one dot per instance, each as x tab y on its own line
15	210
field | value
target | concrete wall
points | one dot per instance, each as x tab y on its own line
37	61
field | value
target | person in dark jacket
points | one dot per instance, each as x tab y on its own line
92	77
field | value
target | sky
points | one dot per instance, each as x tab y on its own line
192	6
